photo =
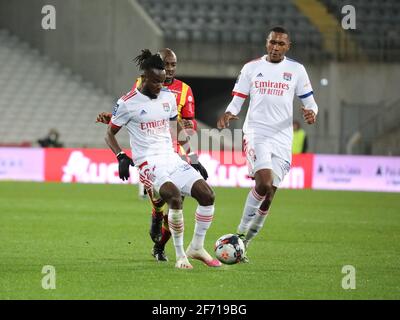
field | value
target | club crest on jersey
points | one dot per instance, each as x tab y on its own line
287	76
167	107
115	109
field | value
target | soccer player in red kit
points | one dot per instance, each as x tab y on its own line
159	230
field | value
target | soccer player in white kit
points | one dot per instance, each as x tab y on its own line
146	113
271	83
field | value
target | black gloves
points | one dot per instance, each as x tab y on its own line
195	163
123	165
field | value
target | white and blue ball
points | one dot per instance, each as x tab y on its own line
229	249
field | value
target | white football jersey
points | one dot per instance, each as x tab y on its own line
271	87
147	121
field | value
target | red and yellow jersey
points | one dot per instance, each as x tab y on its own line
184	97
184	100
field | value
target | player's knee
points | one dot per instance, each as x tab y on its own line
175	202
207	198
266	204
265	189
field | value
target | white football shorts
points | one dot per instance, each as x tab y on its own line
264	154
157	170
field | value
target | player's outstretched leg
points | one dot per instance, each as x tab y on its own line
175	222
204	216
171	194
264	186
156	217
256	226
159	247
156	225
251	206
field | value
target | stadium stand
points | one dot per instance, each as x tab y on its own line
372	129
387	144
37	95
213	38
377	28
244	22
232	22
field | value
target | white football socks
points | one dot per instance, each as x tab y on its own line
256	224
175	223
204	217
253	202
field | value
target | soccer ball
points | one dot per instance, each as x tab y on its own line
229	249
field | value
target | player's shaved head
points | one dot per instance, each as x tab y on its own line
170	61
167	52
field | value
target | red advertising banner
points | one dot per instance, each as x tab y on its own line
301	173
84	166
225	169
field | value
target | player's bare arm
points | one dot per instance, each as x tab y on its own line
178	133
309	116
104	117
123	160
111	140
223	121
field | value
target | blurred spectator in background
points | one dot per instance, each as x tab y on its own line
300	143
51	140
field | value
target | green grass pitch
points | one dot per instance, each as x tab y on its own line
96	237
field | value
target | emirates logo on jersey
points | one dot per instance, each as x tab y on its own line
167	107
271	87
153	124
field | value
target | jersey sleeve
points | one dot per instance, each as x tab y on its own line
188	109
243	84
303	87
174	108
120	115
